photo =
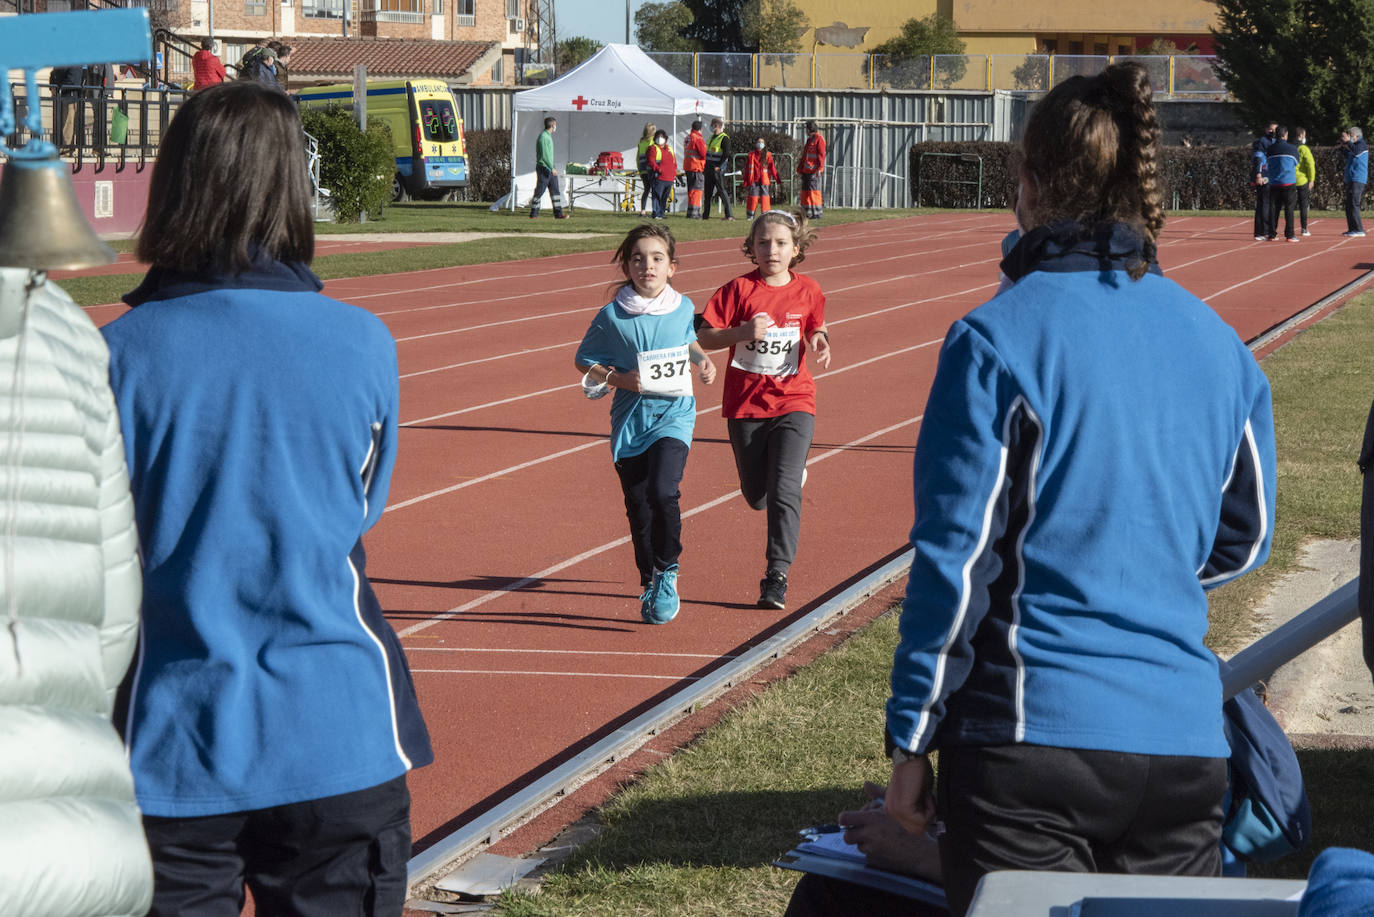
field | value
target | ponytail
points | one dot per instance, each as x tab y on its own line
1092	144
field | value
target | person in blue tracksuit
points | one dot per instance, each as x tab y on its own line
1259	176
1097	452
1282	166
1356	154
271	719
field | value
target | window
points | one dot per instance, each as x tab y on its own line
438	7
513	9
322	9
255	7
439	120
1075	47
1049	46
1100	48
465	12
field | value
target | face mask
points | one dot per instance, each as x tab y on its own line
660	141
758	146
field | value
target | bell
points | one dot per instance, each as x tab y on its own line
41	223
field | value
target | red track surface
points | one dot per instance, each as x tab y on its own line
502	558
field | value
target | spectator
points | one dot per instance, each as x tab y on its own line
206	66
1049	592
65	83
810	168
72	843
283	61
272	718
546	173
1356	154
1258	180
759	173
694	166
717	168
262	69
1282	163
646	174
250	56
1307	176
664	166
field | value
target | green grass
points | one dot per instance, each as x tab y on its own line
695	835
462	217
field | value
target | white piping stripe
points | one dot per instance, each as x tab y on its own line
1261	506
1014	630
956	626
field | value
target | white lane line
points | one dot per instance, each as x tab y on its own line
635	653
501	356
508	321
490	404
525	672
521	583
1282	267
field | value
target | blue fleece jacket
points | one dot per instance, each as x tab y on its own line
1095	453
1283	163
1356	154
259	421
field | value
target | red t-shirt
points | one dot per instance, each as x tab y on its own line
798	304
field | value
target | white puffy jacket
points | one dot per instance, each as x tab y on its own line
71	839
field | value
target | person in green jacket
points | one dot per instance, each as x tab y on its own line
1307	175
547	173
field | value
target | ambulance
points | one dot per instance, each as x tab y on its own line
431	152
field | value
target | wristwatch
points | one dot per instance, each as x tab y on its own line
901	755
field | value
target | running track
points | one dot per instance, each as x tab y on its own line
502	558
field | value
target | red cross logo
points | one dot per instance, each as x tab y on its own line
579	102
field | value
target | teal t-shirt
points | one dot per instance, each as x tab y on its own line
616	338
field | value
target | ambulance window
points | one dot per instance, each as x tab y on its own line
439	120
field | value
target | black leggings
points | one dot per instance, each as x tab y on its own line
650	482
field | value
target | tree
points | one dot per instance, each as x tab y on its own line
717	25
773	26
1298	62
572	51
920	38
662	27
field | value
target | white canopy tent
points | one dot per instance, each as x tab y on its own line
601	106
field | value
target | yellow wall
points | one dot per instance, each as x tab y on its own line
1011	26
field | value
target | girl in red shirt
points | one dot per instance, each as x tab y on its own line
663	164
770	318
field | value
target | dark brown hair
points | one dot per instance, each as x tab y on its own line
229	181
1091	149
627	246
802	233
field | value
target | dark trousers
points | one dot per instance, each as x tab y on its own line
338	855
1304	202
650	482
646	181
1282	197
1354	194
770	455
717	185
661	197
1261	210
546	179
821	896
1071	810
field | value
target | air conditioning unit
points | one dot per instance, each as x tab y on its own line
517	25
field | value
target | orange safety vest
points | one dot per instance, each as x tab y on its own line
758	168
694	158
813	155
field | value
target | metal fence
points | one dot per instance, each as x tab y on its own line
1179	74
90	123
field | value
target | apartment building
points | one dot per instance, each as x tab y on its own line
1017	26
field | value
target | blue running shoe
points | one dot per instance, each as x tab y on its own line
663	602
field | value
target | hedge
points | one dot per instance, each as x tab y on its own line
1195	178
356	167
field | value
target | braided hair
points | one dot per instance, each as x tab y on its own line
1091	147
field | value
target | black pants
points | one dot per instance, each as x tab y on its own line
546	179
1304	202
770	455
821	896
1282	197
1069	810
650	482
646	181
338	855
716	185
1354	194
1262	210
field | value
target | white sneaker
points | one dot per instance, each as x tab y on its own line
1261	238
1306	233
